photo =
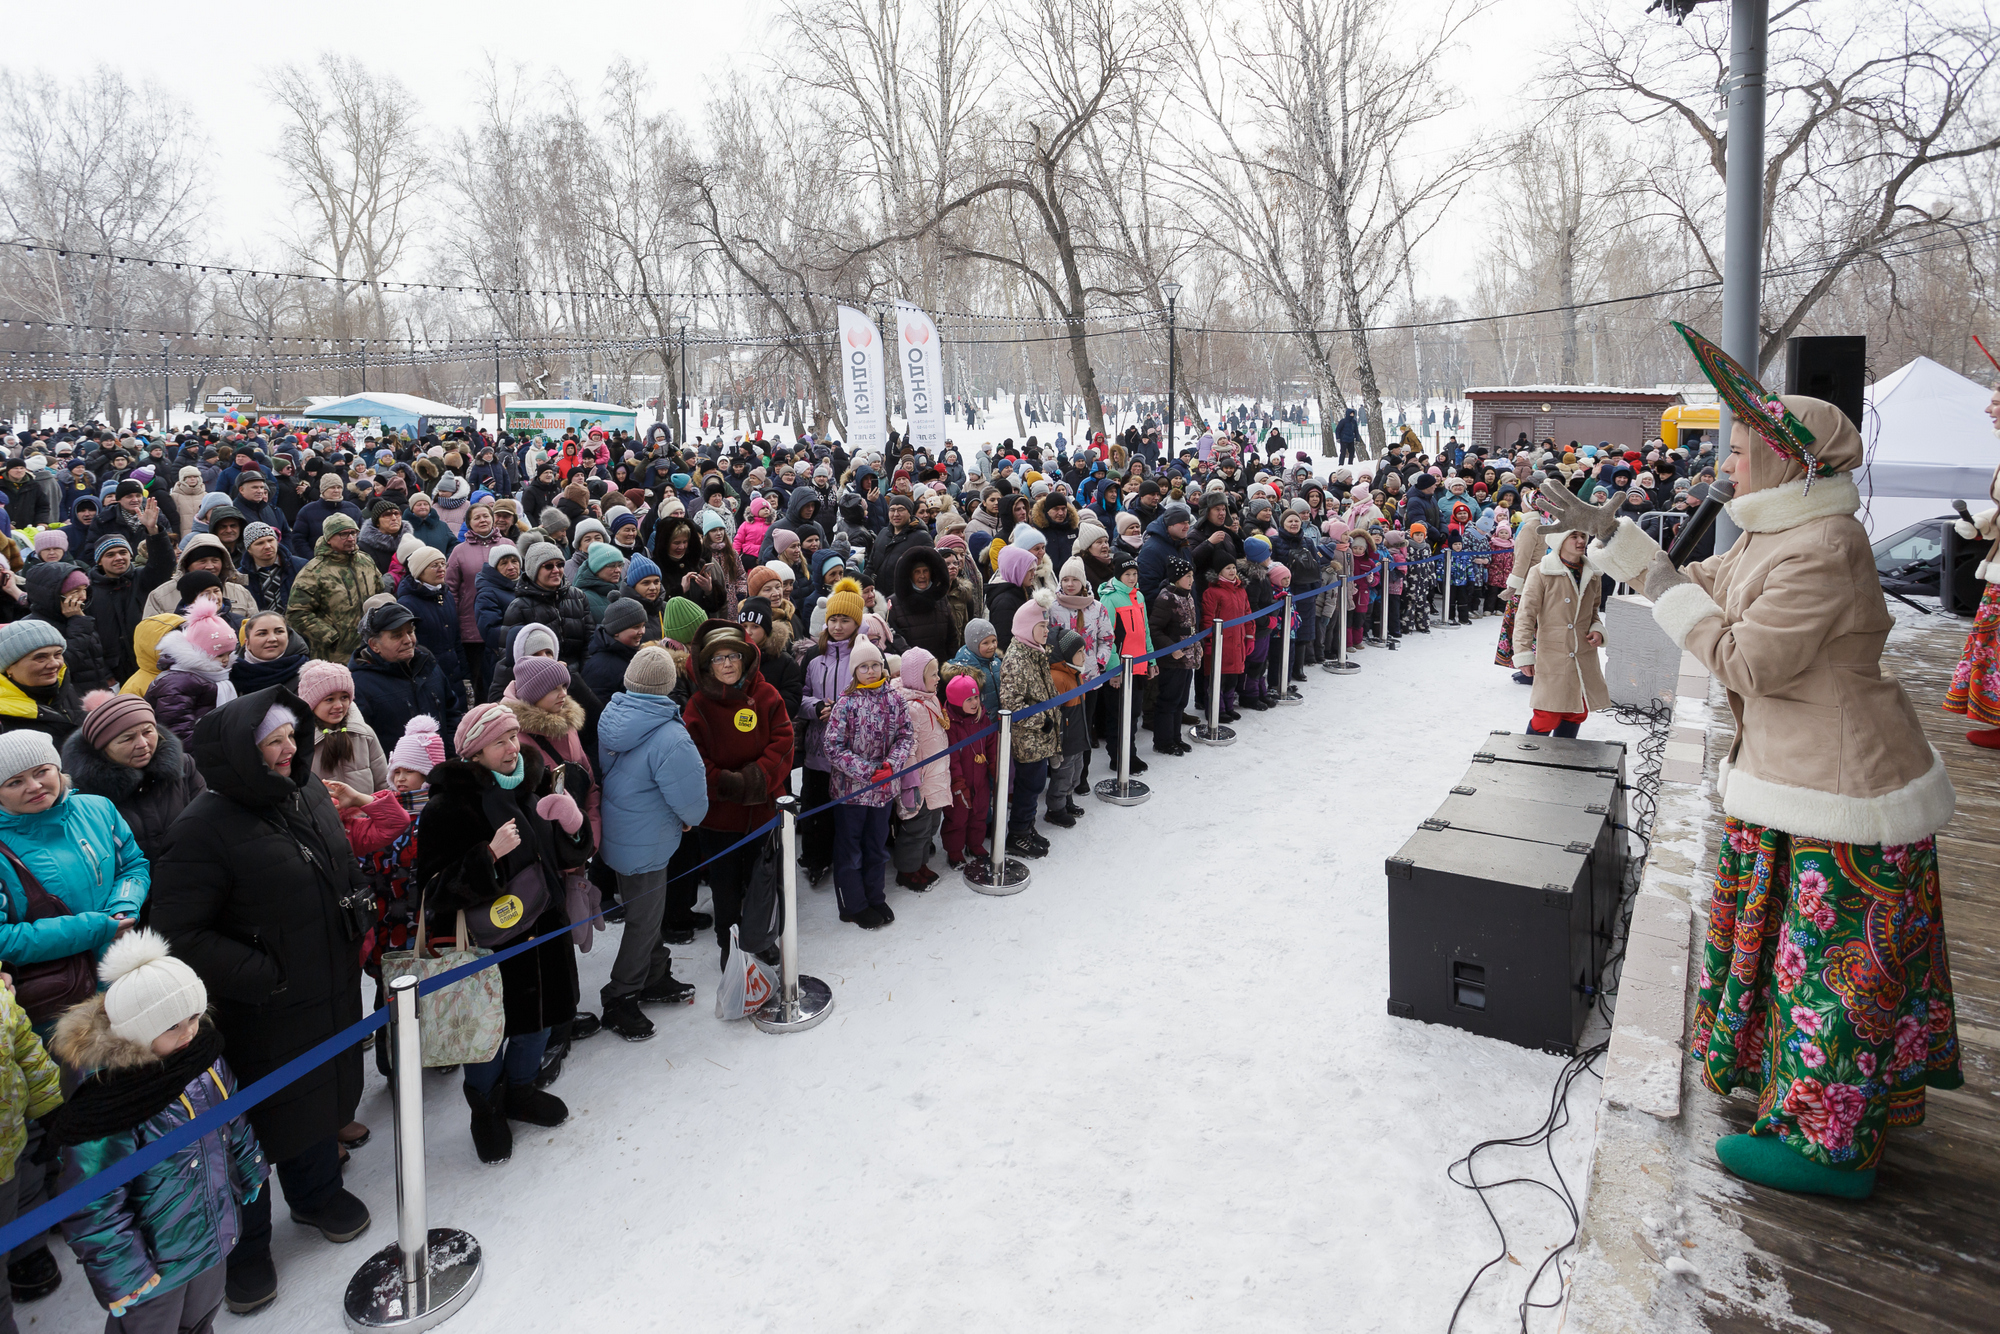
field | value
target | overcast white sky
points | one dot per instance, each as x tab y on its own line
211	54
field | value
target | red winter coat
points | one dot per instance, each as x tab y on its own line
1226	601
972	767
714	718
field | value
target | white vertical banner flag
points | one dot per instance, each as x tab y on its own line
862	386
921	355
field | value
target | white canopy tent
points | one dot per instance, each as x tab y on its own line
1929	443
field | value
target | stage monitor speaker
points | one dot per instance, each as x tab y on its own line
1491	935
1832	368
1959	585
1556	826
1575	753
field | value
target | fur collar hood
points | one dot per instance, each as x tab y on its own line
83	1040
98	776
1789	505
176	654
566	722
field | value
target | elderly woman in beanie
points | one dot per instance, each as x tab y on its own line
741	726
77	846
35	689
546	598
494	822
345	748
122	754
465	562
257	890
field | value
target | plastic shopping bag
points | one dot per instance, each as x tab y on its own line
746	983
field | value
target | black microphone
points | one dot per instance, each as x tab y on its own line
1963	512
1720	492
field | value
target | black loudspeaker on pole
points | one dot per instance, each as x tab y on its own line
1830	368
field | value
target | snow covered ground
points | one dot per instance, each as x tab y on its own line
1157	1091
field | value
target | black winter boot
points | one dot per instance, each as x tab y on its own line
527	1103
492	1137
623	1017
34	1276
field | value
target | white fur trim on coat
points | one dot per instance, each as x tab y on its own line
1917	810
1788	506
1681	608
1525	659
1626	556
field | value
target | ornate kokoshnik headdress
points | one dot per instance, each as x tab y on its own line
1753	405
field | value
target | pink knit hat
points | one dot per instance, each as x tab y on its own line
207	631
914	662
319	679
537	677
482	725
421	747
1033	612
960	689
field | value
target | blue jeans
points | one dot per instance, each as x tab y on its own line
520	1058
1029	779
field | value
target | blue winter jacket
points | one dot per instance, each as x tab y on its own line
84	853
1154	555
495	593
654	782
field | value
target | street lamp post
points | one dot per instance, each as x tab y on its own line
1171	290
166	390
681	404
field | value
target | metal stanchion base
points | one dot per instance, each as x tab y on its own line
1131	794
815	1004
1013	879
376	1296
1290	696
1340	668
1220	735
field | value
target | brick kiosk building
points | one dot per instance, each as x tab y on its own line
1586	414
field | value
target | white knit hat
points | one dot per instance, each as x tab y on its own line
23	750
149	991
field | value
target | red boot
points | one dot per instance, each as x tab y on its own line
1989	738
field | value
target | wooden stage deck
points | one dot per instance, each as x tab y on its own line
1923	1254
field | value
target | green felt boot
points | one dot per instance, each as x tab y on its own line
1768	1161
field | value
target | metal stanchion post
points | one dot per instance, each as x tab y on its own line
1340	666
1287	692
1447	586
427	1274
1385	606
1001	874
1212	732
801	1002
1124	790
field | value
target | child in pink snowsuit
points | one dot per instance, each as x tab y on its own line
971	810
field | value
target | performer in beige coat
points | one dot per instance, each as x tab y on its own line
1825	986
1558	629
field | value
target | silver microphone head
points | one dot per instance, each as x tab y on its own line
1722	489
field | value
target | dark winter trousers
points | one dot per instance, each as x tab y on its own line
310	1182
1030	777
643	958
1062	781
28	1191
816	834
520	1059
1397	611
683	884
965	831
1232	687
913	840
728	877
473	655
188	1309
860	855
1167	706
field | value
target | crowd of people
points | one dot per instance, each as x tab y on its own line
273	706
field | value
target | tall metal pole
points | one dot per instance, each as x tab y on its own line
801	1002
1287	692
427	1274
1124	790
1743	223
166	393
681	403
1340	666
1213	732
1000	874
1171	415
499	407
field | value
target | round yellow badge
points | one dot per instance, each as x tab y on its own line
746	720
506	910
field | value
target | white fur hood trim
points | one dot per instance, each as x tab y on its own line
1790	505
1916	810
1551	564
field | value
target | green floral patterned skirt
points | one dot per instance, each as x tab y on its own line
1825	986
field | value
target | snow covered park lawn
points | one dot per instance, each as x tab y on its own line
1158	1090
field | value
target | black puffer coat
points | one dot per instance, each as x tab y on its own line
151	798
118	603
922	618
258	891
562	609
389	694
83	652
465	808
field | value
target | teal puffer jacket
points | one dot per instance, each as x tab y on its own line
181	1216
84	853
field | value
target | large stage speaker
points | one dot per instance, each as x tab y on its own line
1565	827
1832	368
1959	585
1576	753
1491	935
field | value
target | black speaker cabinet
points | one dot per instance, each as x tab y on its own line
1564	827
1576	753
1959	585
1491	935
1833	368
